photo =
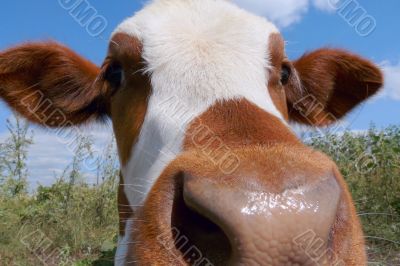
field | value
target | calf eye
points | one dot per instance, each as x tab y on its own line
285	74
114	75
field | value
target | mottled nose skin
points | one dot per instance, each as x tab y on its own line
264	227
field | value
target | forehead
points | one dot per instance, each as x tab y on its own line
211	48
181	29
202	18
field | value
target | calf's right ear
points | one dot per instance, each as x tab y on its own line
51	85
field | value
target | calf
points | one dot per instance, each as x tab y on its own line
200	94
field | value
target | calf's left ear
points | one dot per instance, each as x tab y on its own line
329	84
50	85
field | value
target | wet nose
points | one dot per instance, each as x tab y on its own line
262	226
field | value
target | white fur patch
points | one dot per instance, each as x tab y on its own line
123	244
197	52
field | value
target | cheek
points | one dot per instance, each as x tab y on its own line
128	109
278	96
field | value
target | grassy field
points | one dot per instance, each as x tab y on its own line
72	223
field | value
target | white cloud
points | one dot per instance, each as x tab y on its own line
392	80
325	5
283	12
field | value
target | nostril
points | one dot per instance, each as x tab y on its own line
197	238
261	226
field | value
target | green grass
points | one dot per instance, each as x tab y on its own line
79	221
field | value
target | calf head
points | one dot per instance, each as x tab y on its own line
200	94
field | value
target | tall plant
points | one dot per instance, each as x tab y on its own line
13	157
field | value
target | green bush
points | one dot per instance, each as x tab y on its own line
370	162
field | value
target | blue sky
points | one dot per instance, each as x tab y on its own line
305	24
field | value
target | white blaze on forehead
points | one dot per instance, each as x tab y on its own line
197	52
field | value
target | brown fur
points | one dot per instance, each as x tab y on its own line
239	123
278	58
129	103
337	80
51	85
